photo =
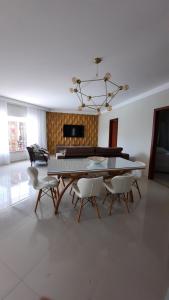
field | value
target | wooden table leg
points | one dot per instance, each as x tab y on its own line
62	193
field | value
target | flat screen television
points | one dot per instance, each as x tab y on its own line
73	131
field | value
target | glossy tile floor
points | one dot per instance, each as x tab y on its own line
122	257
162	178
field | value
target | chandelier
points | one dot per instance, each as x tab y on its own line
102	100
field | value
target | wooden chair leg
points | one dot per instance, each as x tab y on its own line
96	206
53	198
138	189
70	193
63	182
126	203
80	211
57	191
76	202
111	205
56	194
105	198
38	199
73	198
131	196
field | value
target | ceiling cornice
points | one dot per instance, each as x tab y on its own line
141	96
23	103
77	112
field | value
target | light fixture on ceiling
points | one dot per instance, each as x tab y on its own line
101	101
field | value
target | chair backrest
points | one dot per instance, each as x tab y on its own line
138	173
33	175
31	153
90	186
122	184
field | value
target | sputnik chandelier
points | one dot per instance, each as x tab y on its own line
101	101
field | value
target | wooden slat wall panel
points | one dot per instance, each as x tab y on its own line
55	122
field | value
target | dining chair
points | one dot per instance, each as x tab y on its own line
43	185
137	174
120	188
86	190
105	175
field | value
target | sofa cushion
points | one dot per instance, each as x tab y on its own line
104	151
77	151
80	151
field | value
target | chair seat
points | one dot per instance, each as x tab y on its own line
46	184
49	179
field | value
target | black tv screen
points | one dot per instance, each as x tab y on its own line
73	131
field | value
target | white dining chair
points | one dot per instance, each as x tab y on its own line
137	174
120	188
86	190
43	185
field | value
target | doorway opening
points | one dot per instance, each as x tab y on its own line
159	156
113	132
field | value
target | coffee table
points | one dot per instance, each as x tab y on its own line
76	168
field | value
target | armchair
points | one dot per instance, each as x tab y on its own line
37	153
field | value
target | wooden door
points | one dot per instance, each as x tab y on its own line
154	141
113	131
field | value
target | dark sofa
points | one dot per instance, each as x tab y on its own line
86	151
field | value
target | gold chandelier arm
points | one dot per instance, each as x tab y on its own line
80	93
114	83
114	94
79	98
89	80
90	105
106	91
83	94
98	96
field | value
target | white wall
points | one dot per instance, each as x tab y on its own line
135	125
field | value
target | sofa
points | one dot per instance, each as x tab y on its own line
86	151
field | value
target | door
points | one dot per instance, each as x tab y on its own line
113	131
155	131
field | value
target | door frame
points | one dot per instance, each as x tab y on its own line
110	129
154	140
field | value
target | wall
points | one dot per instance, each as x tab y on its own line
55	122
135	125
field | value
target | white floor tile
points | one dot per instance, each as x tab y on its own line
22	292
8	280
124	256
25	248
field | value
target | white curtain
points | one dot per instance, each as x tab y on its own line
4	142
36	127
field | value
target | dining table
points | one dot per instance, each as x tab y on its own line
76	168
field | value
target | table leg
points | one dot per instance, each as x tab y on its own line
62	193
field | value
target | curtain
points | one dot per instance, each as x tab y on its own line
36	127
4	143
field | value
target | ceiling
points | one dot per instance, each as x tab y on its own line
44	43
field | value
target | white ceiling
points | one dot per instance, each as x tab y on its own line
43	43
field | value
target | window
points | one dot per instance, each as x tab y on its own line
17	133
